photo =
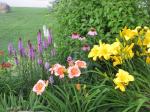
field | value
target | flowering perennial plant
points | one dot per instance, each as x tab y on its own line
60	71
132	43
123	48
33	53
73	70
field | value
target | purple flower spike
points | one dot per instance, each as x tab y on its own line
31	52
47	66
40	61
10	48
39	37
45	44
40	50
20	44
16	61
49	38
20	48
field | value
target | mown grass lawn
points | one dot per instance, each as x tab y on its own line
22	22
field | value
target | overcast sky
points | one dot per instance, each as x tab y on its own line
28	3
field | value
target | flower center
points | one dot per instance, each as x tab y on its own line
60	71
74	71
39	86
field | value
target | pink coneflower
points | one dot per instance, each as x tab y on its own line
92	32
86	47
73	71
75	35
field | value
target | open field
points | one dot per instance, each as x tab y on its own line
22	22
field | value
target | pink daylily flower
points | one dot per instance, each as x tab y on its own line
73	71
81	64
39	87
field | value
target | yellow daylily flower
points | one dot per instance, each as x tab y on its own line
128	33
146	40
117	60
148	60
94	52
104	51
115	48
122	79
119	85
127	51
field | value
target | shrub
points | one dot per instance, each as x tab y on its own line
107	16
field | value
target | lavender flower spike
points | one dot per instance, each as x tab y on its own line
31	51
45	44
10	48
49	37
20	44
40	50
40	61
20	48
39	37
47	66
16	61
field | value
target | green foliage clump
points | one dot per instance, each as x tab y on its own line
107	16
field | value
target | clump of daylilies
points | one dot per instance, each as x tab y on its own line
131	43
123	48
72	71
